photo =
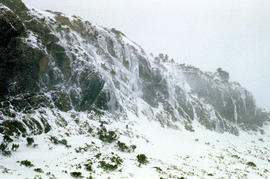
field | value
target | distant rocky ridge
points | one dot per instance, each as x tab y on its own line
49	60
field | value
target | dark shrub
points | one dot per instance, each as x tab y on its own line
107	166
7	138
76	174
117	160
14	147
56	141
107	136
88	167
142	159
3	146
124	148
4	149
26	163
251	164
158	169
6	153
39	170
98	155
30	141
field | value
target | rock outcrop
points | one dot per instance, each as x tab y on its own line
49	60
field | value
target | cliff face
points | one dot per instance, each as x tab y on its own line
231	101
49	60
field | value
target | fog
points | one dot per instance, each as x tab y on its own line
234	35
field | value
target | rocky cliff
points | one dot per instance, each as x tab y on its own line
49	60
84	100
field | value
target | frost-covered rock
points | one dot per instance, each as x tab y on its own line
67	63
94	101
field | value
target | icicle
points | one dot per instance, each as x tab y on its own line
234	111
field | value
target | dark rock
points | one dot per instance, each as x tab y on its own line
110	47
225	99
102	100
61	101
91	85
12	127
16	6
46	125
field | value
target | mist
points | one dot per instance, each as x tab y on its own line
233	35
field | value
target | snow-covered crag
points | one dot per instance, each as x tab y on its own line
63	75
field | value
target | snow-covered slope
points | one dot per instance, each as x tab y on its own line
170	153
79	89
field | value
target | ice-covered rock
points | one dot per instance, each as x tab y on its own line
64	62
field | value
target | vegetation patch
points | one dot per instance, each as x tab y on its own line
236	156
26	163
6	138
158	169
107	166
110	164
142	159
76	174
30	141
56	141
4	149
251	164
15	147
107	136
88	167
124	148
98	155
38	170
117	160
83	149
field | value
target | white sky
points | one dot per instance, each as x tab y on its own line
232	34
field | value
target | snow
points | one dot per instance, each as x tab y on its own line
40	13
176	152
128	41
32	41
4	7
117	59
